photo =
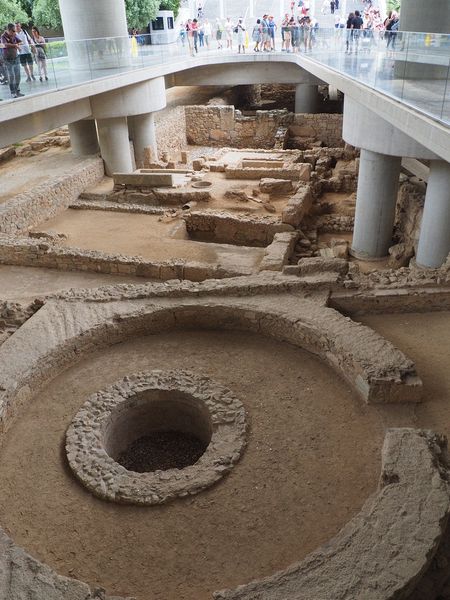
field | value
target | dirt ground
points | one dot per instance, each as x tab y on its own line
426	339
147	236
23	174
313	457
21	284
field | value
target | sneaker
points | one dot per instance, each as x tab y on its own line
40	78
19	95
46	78
33	78
28	78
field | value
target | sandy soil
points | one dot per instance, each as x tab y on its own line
26	283
313	457
147	236
24	173
426	339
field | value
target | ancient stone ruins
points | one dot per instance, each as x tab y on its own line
203	394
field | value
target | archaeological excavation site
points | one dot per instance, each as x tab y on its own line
224	371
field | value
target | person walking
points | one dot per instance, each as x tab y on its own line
272	30
11	46
349	38
356	26
41	56
26	51
332	6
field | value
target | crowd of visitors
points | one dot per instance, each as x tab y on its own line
298	29
19	48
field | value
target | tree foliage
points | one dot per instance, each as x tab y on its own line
170	5
11	11
139	12
46	13
393	5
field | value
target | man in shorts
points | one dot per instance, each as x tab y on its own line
25	51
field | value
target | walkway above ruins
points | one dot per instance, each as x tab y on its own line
386	82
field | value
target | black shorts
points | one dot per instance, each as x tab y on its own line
26	59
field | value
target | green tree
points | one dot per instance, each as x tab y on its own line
170	5
46	13
27	6
139	12
10	11
393	5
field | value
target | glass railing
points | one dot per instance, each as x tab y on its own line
410	67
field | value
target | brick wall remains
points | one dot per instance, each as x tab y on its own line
326	128
21	212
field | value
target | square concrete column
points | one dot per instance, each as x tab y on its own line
434	239
306	98
376	198
142	132
83	137
115	145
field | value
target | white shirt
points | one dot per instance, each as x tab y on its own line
25	45
207	28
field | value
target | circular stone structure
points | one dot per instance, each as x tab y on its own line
199	419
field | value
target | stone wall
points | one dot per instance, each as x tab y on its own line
170	127
21	212
223	125
327	128
28	252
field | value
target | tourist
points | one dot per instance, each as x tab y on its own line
182	34
306	32
194	30
201	35
240	32
265	33
295	35
41	56
3	71
219	34
349	38
272	30
207	30
11	47
391	26
284	24
26	51
229	33
288	34
256	35
356	26
332	6
190	36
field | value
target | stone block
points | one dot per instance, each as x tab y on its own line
141	179
272	186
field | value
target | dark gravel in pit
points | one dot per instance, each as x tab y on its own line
162	450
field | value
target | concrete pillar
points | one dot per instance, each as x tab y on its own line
432	16
115	145
375	204
143	133
434	240
86	23
306	98
83	137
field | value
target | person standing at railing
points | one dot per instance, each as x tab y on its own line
229	33
207	30
239	30
272	30
256	35
201	35
349	37
11	46
26	51
41	56
219	34
391	25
